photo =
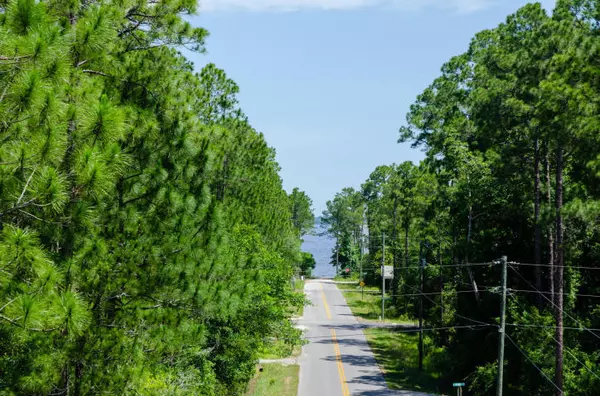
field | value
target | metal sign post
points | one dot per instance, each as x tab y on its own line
459	386
388	273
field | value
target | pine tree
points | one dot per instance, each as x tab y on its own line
142	217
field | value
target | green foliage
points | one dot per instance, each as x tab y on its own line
308	264
275	379
146	242
344	220
397	352
302	214
510	134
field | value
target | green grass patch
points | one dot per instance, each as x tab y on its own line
299	285
299	289
367	306
398	355
275	379
280	350
347	278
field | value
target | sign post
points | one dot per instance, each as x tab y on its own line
388	273
459	386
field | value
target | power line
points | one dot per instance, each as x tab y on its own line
574	357
552	302
445	293
483	289
565	348
564	294
491	263
550	327
554	266
396	330
533	363
455	314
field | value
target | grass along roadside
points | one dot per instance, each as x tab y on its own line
367	307
280	350
275	379
298	285
397	354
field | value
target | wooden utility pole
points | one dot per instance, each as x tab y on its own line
501	330
382	277
337	259
362	254
421	265
559	272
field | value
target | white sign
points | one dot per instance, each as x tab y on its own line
388	272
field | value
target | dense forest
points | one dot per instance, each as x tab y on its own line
146	243
510	130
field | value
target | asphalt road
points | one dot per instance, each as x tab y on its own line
337	360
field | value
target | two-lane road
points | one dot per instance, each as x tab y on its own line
337	360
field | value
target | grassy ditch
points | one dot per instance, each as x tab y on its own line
397	354
395	350
275	379
367	306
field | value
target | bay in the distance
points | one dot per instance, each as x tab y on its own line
321	247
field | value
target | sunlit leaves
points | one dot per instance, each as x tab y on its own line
124	217
24	15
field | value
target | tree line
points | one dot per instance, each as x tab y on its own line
510	132
146	243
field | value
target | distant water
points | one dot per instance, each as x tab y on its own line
321	248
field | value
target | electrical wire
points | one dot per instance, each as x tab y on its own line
341	335
533	363
549	327
553	266
483	289
563	346
564	294
552	302
574	357
455	314
447	293
491	263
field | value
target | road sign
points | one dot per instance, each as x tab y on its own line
388	272
457	384
362	284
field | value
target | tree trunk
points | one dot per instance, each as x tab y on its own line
421	284
406	230
550	230
469	231
537	248
559	266
406	259
395	281
79	367
441	278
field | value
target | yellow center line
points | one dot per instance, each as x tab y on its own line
327	311
340	365
336	348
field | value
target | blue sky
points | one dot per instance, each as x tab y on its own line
329	82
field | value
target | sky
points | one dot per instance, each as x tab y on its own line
329	82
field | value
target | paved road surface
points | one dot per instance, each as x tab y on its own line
338	360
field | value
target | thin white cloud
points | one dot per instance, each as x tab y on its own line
462	6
